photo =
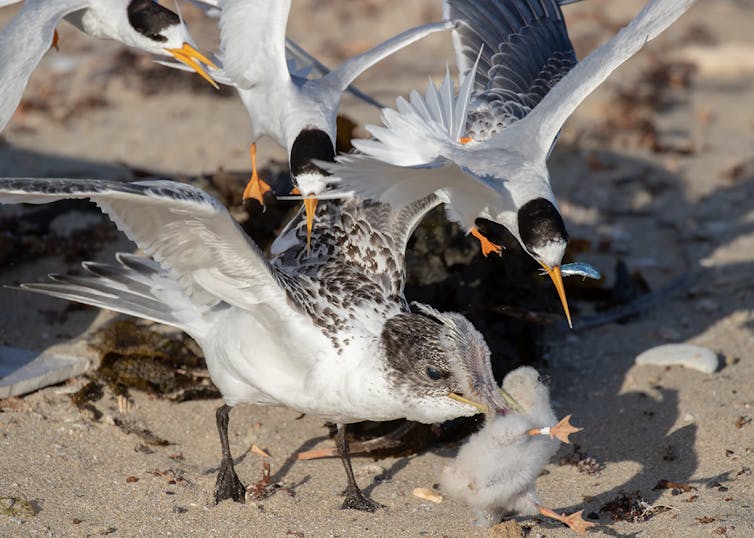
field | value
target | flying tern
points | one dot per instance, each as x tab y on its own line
142	24
296	112
485	149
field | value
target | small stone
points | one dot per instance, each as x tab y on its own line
427	495
687	355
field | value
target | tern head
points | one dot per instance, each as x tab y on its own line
529	389
542	233
310	145
156	29
442	364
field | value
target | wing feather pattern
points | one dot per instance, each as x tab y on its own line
189	233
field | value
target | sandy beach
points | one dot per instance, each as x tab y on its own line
655	170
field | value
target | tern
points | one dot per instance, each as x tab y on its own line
296	112
496	470
327	333
142	24
485	149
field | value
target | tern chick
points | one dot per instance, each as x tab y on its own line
496	470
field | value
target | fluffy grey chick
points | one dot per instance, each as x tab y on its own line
496	470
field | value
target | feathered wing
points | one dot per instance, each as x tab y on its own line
189	233
137	286
543	123
23	42
302	58
525	51
404	221
342	77
406	160
252	40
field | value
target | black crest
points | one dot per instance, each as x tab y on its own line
150	19
310	144
540	223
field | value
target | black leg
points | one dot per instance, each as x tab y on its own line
355	499
228	486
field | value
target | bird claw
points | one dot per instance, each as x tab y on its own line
228	485
577	523
356	500
488	246
256	189
563	429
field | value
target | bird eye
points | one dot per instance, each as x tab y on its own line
544	379
434	374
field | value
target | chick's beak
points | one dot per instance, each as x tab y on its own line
192	58
557	279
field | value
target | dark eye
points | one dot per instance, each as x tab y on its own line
544	379
434	374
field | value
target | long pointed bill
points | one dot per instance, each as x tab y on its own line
557	279
310	205
457	397
191	57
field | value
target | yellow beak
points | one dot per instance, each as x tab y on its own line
457	397
189	56
310	205
557	279
512	403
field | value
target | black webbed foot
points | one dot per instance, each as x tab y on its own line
228	485
356	500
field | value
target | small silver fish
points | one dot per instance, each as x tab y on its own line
584	270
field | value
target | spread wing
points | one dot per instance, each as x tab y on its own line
252	40
23	42
189	233
543	123
525	51
352	68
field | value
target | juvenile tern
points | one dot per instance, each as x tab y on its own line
142	24
496	470
296	112
485	150
328	334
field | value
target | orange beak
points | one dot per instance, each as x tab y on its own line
557	279
310	205
192	58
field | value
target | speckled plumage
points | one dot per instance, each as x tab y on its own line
303	330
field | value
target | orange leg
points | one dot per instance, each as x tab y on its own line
561	430
256	187
487	245
55	38
574	520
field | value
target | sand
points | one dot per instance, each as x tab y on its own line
677	203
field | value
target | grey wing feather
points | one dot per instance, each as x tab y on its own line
525	51
407	218
303	58
136	286
188	232
23	42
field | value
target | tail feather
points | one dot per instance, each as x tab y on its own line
137	287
